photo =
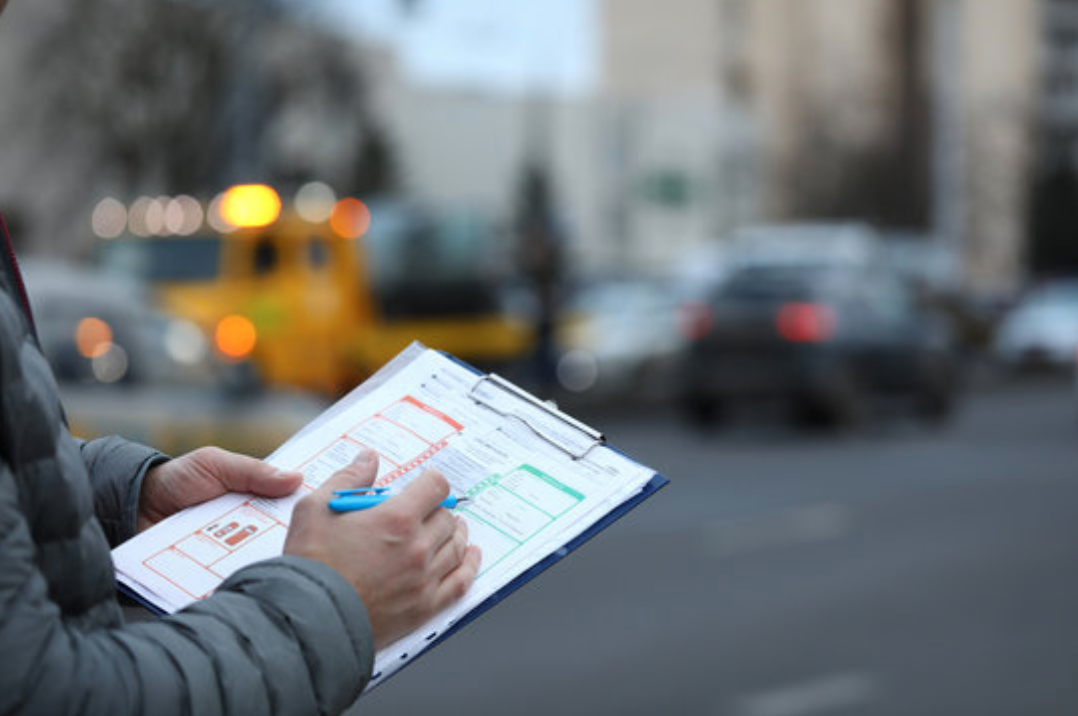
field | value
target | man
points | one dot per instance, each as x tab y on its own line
291	635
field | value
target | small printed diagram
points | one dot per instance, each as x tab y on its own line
232	533
504	512
201	560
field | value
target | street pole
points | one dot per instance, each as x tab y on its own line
949	219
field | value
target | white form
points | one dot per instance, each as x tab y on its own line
533	481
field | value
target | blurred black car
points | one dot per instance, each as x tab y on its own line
826	337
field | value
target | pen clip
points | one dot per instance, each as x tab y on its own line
362	491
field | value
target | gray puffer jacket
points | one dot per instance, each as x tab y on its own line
285	636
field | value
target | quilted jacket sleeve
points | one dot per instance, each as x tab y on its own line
285	636
117	467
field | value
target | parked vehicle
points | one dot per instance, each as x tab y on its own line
1041	331
619	338
319	302
824	331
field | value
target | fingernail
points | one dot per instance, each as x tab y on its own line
365	456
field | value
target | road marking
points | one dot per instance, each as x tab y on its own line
804	524
820	695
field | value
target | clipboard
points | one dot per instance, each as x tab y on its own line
488	400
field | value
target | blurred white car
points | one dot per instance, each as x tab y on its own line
620	338
1041	331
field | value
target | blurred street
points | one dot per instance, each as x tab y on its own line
896	570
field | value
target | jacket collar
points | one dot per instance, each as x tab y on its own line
10	267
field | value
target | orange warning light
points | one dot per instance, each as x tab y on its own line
236	336
350	218
93	337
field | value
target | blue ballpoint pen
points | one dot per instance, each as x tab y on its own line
365	498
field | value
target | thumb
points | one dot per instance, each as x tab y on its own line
241	473
360	473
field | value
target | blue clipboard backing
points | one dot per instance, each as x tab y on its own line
137	598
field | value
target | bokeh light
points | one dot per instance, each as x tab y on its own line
137	222
111	366
184	342
578	371
351	218
236	336
93	337
250	205
214	218
155	215
314	202
109	218
183	215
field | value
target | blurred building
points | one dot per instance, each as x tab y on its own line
1059	104
915	115
457	148
1054	210
995	77
635	168
681	149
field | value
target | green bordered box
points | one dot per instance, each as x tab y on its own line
506	511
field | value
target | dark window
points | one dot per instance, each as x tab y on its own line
265	258
317	252
193	258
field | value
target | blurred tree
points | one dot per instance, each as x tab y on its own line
540	260
135	83
315	115
175	97
375	171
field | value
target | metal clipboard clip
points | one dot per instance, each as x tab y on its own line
594	437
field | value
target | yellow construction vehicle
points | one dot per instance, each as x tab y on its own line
293	290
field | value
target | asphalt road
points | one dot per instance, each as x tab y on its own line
896	570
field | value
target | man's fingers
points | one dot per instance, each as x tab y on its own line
360	473
274	482
441	525
456	583
449	554
241	473
424	494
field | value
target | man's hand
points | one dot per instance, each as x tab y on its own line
407	558
204	474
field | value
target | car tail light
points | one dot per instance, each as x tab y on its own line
695	320
805	322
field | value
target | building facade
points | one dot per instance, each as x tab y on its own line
916	115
